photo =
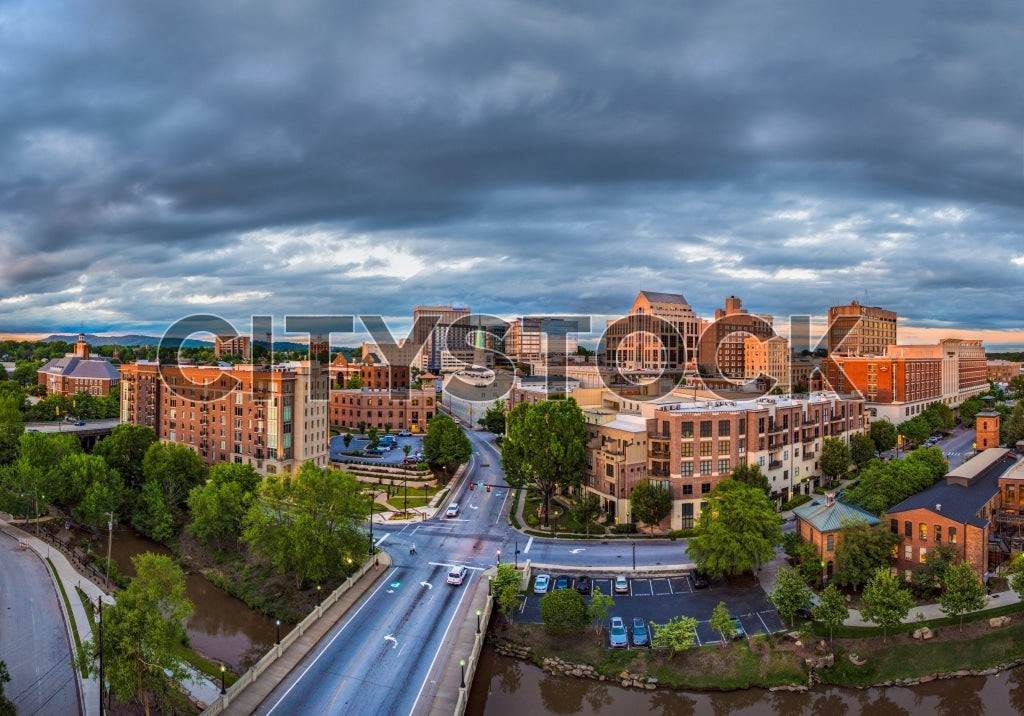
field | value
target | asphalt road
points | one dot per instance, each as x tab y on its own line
33	638
67	427
957	448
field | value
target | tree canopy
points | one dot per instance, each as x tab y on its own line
545	447
831	609
835	458
737	532
750	474
790	593
884	484
883	435
650	502
678	634
445	445
862	449
493	420
124	450
860	550
885	602
963	592
564	612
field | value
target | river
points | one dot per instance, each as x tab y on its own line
221	627
507	687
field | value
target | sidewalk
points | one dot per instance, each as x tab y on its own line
201	688
932	611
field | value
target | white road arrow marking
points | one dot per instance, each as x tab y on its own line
393	640
529	543
577	550
428	585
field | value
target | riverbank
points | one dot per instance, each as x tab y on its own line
793	661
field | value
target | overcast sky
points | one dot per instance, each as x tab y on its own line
166	158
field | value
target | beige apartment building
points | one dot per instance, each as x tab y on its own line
767	358
273	418
659	334
857	330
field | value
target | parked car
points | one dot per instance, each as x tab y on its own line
456	575
562	582
617	634
405	433
583	585
79	422
640	636
453	510
541	584
621	584
700	580
737	627
410	461
807	612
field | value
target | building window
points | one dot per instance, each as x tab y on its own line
938	533
686	449
830	543
705	488
723	447
952	535
705	467
723	466
723	428
705	449
688	489
922	532
609	470
908	552
686	469
705	428
1010	496
686	428
922	555
687	515
908	529
894	526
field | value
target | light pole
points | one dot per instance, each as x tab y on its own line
372	500
634	556
462	663
318	596
405	486
477	621
99	603
517	554
499	558
277	622
489	578
110	540
222	689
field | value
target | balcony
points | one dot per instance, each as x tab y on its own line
774	464
663	454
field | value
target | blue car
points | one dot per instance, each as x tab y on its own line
640	636
617	634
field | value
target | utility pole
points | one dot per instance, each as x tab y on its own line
110	539
99	601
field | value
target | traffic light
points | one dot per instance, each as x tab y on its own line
488	488
472	485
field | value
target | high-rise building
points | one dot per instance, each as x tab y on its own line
857	330
659	334
232	346
446	342
527	342
273	418
768	359
722	341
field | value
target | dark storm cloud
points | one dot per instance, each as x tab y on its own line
515	157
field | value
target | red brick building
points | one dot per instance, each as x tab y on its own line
820	523
405	409
77	372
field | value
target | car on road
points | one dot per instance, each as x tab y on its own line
541	584
456	575
737	627
79	422
617	634
621	584
563	582
410	461
640	636
453	510
583	585
405	433
700	580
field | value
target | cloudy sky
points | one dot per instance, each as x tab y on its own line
167	158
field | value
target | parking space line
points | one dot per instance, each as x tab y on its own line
766	629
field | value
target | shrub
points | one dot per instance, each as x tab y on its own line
680	534
626	528
796	502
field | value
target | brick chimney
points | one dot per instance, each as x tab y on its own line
830	498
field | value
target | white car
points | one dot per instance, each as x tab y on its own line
621	584
453	510
456	575
541	584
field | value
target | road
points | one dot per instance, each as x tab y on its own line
377	660
66	427
957	448
33	638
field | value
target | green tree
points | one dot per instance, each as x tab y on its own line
862	449
445	445
545	446
940	416
11	429
142	635
600	607
170	471
885	602
721	621
790	593
861	550
835	458
493	420
373	437
218	510
883	435
932	576
931	458
831	609
124	449
93	486
808	562
354	383
738	530
505	588
7	707
1015	425
791	542
387	428
1015	573
347	440
964	592
564	612
650	503
585	510
307	525
1016	386
678	634
750	474
916	430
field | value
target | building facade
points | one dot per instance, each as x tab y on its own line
1003	371
820	523
768	360
273	418
723	340
401	409
77	372
660	333
856	330
443	332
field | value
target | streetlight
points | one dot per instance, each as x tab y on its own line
634	556
462	663
318	596
277	622
371	522
517	554
499	558
489	578
222	689
477	621
110	539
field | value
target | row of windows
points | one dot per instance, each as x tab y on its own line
922	531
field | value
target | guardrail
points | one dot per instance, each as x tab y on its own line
474	658
246	679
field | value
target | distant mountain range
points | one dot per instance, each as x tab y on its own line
138	340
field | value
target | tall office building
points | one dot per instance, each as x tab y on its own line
856	330
659	334
445	344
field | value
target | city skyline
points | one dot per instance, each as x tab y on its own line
518	159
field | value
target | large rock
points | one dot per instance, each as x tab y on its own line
923	633
997	622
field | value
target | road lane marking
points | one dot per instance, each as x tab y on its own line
760	619
382	539
529	543
328	645
444	638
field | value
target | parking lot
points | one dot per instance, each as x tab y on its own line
658	599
